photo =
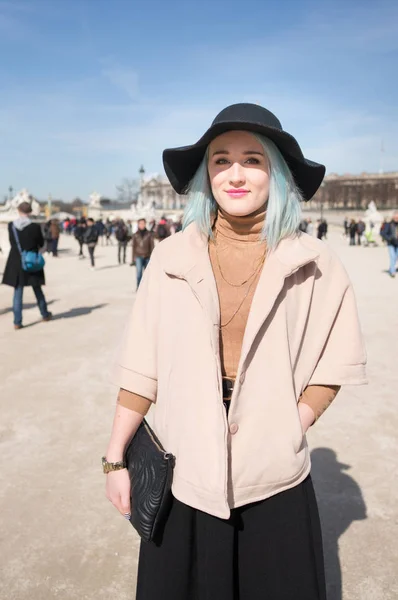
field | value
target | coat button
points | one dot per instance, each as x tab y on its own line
242	378
233	428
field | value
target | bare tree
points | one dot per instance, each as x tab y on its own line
127	191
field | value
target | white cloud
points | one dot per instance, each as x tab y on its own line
124	78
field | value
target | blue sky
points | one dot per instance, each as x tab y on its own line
92	89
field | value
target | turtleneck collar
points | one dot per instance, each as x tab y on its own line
241	229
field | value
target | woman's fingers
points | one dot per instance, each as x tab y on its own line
125	506
118	492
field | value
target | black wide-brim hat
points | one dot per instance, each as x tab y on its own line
182	163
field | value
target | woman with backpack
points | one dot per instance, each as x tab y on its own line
25	236
239	336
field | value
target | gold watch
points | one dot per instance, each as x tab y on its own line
107	467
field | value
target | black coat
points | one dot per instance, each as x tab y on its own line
390	233
30	238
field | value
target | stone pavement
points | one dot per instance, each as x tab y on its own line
60	538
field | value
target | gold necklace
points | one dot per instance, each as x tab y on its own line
236	285
222	325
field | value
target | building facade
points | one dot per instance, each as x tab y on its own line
357	191
157	192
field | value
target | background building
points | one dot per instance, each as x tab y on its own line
155	190
357	191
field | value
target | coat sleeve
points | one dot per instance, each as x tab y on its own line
135	368
343	356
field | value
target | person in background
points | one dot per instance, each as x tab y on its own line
30	238
353	231
360	231
346	226
390	236
179	225
310	227
91	239
101	230
108	232
54	230
143	244
152	227
47	236
382	228
303	225
123	238
79	232
322	229
162	230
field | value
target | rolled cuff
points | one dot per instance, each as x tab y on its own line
135	382
326	374
134	402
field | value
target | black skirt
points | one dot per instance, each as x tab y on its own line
269	550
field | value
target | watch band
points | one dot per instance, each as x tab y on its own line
107	467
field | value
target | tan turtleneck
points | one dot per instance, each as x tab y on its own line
237	255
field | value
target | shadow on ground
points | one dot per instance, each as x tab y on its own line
340	503
65	251
107	267
70	314
26	306
77	312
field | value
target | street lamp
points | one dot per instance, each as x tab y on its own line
10	190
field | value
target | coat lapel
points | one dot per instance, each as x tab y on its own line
193	264
291	255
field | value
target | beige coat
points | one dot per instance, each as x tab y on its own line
302	329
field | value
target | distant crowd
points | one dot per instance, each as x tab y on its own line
321	229
87	232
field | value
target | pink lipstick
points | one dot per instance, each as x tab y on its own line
237	192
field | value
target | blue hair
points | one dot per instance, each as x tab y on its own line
283	214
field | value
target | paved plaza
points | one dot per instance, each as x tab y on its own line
59	536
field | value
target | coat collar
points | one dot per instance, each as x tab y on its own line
192	259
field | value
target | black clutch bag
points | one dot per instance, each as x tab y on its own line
151	472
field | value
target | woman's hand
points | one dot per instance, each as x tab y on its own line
118	491
125	425
307	416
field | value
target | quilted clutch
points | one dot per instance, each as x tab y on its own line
151	472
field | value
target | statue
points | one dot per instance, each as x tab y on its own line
372	220
141	209
95	200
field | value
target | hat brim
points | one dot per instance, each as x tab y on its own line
181	164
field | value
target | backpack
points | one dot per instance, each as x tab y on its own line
121	233
162	231
31	261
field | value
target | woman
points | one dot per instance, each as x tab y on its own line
239	336
30	238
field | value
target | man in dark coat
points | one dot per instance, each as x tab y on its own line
31	239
